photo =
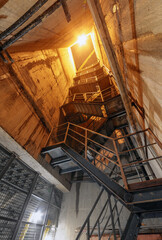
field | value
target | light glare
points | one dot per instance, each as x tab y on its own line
36	216
82	40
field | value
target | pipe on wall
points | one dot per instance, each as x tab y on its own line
32	25
23	18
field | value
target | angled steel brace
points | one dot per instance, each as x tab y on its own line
111	186
132	227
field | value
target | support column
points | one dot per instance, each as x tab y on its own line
132	227
96	11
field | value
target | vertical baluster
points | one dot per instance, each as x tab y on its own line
120	165
86	144
98	225
112	220
118	219
66	132
88	229
145	140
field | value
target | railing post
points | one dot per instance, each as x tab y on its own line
66	132
85	96
74	97
145	140
120	165
99	233
89	215
86	144
88	229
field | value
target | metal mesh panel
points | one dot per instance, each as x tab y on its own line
35	211
49	233
42	189
56	198
6	229
4	157
15	186
11	201
19	175
53	216
28	232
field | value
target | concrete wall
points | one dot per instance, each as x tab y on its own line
32	89
136	32
41	166
76	206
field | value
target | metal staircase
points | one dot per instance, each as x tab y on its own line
113	163
121	163
94	94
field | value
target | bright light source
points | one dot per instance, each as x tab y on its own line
82	40
36	216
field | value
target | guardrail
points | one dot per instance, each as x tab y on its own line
121	158
98	96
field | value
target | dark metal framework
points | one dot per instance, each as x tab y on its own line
29	205
141	194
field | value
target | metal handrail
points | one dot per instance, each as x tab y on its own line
86	96
82	136
87	219
113	215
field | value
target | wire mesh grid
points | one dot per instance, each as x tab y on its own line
56	198
11	201
15	186
4	157
42	189
6	229
18	174
29	232
36	211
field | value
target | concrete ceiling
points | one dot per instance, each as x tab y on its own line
54	31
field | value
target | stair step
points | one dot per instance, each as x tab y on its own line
70	170
90	68
60	160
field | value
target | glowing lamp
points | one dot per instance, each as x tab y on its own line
82	40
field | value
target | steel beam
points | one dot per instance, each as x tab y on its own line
132	228
111	186
99	19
